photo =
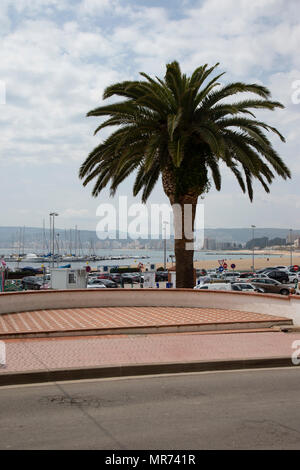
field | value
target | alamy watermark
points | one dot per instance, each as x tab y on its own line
2	354
151	221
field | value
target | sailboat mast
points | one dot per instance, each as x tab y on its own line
70	242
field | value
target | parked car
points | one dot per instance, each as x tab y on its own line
161	276
103	275
204	279
95	284
260	271
293	277
231	276
272	286
216	286
280	276
201	272
282	268
246	275
264	270
130	278
32	282
260	276
116	277
293	270
106	282
245	287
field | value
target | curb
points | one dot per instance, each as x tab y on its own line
127	370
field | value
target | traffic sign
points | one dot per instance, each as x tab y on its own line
232	266
225	265
296	268
220	269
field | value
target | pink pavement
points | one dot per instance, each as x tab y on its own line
62	353
107	318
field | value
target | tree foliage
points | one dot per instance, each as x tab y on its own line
189	126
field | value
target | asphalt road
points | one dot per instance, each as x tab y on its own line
224	410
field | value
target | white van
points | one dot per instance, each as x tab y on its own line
230	276
216	286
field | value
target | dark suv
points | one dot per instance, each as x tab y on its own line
280	276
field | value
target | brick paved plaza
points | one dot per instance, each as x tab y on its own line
80	319
85	347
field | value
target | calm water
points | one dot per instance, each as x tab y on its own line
155	257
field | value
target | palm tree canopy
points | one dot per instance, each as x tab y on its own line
186	125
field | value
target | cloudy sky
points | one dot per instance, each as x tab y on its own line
57	56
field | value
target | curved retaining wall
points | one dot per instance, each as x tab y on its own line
286	306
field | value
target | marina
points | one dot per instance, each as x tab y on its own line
114	258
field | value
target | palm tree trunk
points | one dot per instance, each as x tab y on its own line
184	210
184	217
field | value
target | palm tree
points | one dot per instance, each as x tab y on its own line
182	128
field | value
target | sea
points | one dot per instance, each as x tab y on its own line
132	256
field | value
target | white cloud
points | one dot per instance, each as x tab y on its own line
73	213
57	56
94	7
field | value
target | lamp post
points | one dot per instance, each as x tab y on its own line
165	244
253	227
52	215
50	240
291	248
57	244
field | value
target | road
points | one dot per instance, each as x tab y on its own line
258	409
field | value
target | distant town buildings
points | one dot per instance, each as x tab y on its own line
292	237
211	244
297	243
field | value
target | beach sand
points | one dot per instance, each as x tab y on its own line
261	260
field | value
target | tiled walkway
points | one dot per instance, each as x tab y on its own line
62	353
80	319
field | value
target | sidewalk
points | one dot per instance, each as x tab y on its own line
106	356
67	344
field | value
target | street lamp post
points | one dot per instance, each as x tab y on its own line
50	241
291	248
53	214
253	227
57	244
165	245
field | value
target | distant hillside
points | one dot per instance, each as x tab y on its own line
242	235
10	235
